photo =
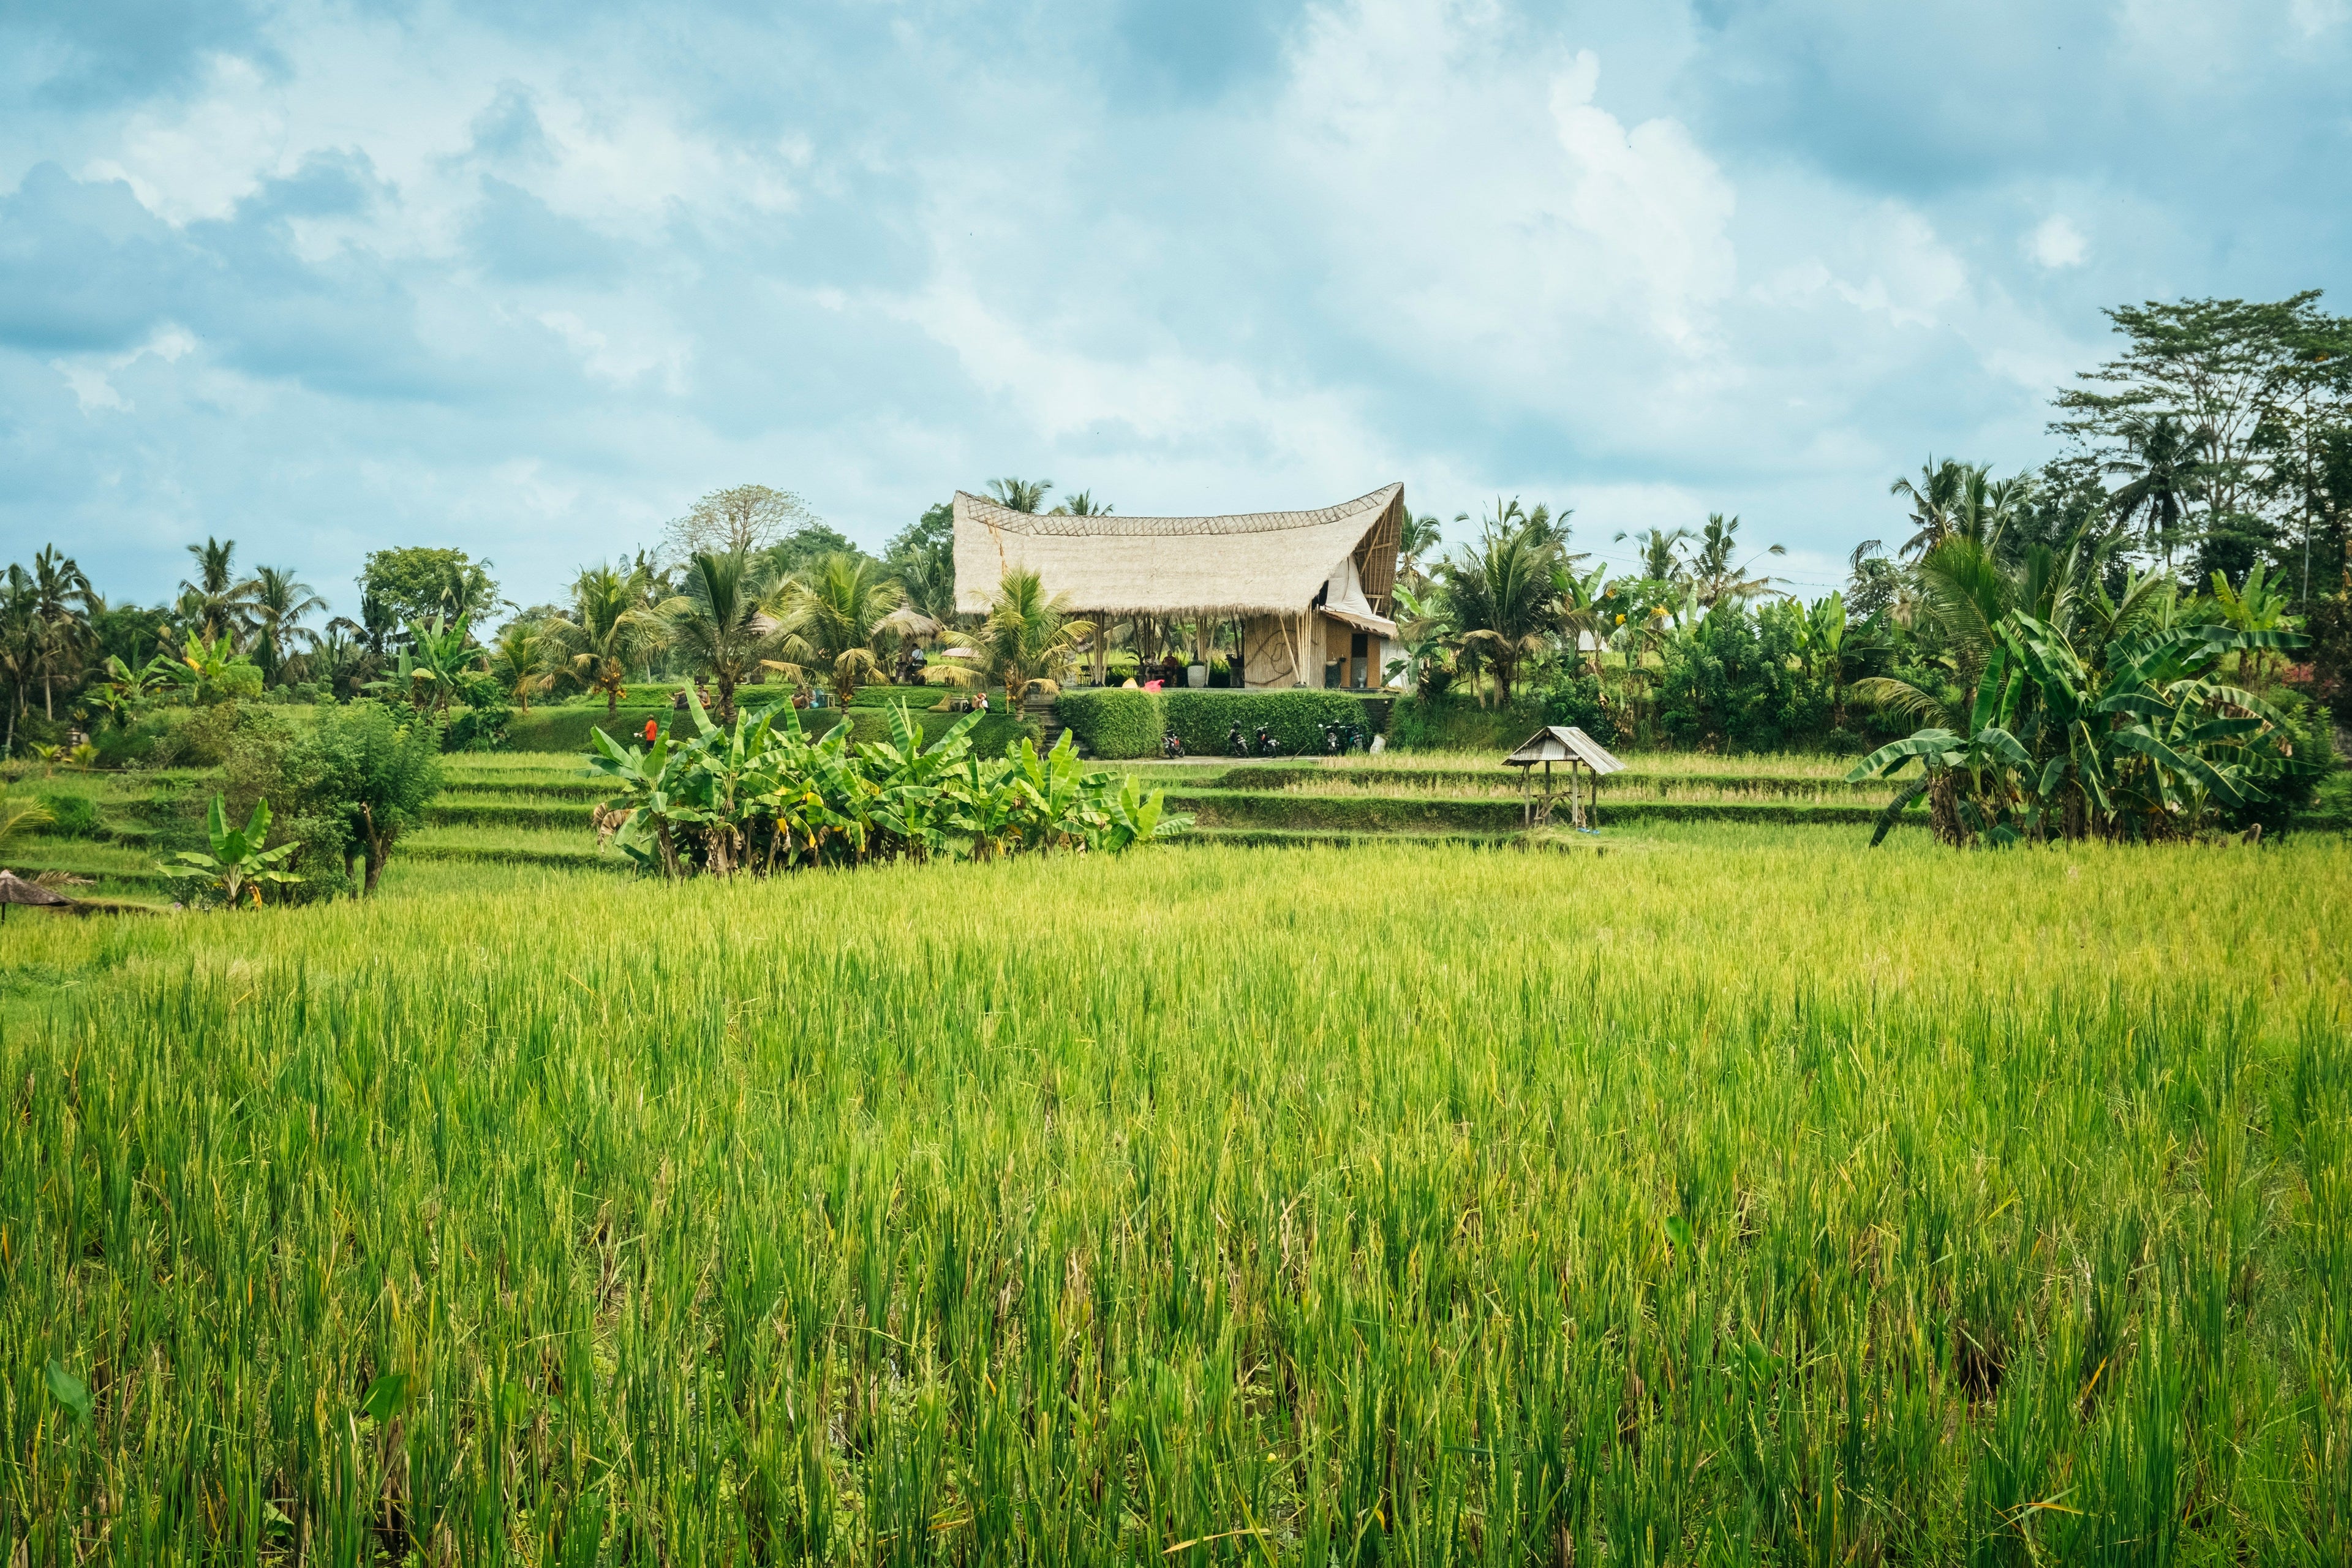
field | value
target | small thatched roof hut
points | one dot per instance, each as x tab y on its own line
1309	589
15	889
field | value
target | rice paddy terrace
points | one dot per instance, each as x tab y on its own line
1746	1196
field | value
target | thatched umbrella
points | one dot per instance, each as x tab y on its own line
908	622
15	889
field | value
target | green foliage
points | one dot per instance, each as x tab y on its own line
2329	676
2116	725
1576	700
1204	719
1114	723
1452	722
1729	682
358	781
238	866
481	727
762	796
418	584
70	816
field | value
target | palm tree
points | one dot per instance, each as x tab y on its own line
1081	504
62	600
1931	496
718	623
611	630
1965	592
279	602
339	657
522	657
2162	480
927	579
1420	536
215	601
1712	570
1502	596
831	619
1020	495
1026	635
1661	552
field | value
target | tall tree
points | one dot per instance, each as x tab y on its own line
611	630
2225	372
214	601
63	602
1419	538
524	657
1082	504
280	603
413	584
1717	570
831	616
1026	635
718	624
741	520
1501	595
1661	553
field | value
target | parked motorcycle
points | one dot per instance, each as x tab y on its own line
1172	747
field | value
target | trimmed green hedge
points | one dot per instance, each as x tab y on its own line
1202	720
1118	723
1114	723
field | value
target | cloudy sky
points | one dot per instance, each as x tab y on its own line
322	278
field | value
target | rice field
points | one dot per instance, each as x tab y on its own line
1751	1198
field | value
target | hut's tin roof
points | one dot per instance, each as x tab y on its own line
1562	743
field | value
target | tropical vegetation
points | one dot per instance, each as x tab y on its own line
760	795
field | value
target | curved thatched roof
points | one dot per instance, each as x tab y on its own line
16	890
1264	563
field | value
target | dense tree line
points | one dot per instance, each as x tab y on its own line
2214	449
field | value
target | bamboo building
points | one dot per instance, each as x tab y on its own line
1309	591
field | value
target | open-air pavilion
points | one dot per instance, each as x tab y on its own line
1309	591
1562	744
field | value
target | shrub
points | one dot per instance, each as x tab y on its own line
1202	720
482	728
1577	701
70	816
1114	723
1728	681
1449	722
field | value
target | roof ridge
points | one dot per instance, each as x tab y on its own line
1111	524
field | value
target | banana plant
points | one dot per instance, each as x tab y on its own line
760	796
238	865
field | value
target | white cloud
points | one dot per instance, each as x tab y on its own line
2057	243
91	377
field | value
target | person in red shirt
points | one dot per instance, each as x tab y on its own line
653	731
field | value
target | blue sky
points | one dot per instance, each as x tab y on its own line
325	278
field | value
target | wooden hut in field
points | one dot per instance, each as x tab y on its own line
1310	590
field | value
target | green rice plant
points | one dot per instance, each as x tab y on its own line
1743	1197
